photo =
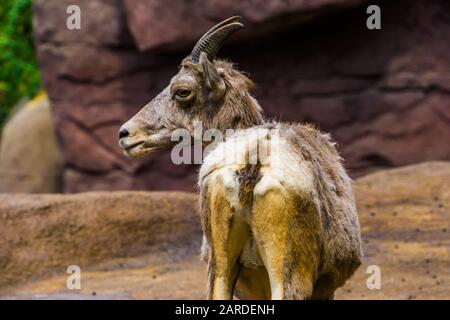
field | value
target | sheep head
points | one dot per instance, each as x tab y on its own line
204	89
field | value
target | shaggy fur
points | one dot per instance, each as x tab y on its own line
285	227
309	231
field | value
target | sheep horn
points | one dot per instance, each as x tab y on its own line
212	41
221	24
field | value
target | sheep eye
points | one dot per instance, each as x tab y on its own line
182	93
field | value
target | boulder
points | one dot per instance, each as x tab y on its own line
404	216
30	159
45	233
145	245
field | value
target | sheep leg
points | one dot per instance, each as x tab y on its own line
228	236
284	245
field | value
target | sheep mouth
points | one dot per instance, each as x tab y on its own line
131	146
134	149
137	149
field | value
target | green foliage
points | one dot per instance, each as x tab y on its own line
19	74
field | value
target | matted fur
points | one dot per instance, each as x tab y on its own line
317	227
273	229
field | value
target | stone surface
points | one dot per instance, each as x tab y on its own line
30	159
142	245
44	233
405	222
154	25
383	94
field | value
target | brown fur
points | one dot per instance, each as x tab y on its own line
311	241
248	177
295	242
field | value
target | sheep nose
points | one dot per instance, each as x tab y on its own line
123	133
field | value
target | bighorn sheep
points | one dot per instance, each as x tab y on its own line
282	227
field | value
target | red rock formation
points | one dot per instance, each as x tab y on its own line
383	94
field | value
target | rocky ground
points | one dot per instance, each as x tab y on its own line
138	245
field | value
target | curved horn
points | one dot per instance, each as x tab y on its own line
217	26
212	41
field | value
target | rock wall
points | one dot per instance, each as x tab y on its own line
384	94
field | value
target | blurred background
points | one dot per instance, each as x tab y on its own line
382	94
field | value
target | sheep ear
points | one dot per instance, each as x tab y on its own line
213	79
